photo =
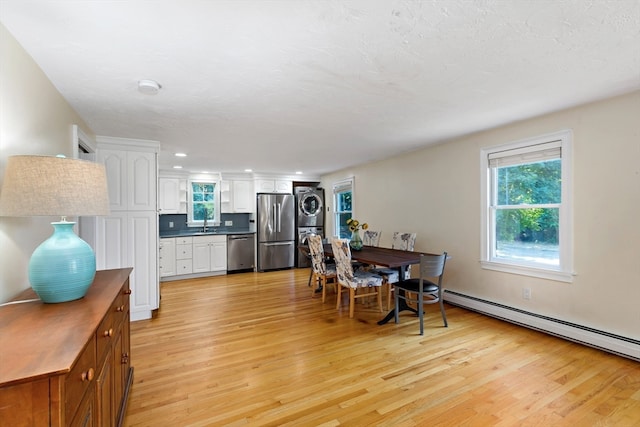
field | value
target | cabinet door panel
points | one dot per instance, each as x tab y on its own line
142	234
168	195
111	238
243	200
167	257
201	257
104	387
141	183
218	256
115	163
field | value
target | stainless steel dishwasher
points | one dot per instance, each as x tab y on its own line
240	252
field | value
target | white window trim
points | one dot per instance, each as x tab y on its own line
216	219
337	186
564	272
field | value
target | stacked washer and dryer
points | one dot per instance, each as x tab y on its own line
310	218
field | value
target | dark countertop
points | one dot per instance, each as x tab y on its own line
196	232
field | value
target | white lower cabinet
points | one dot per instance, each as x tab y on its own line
209	253
184	255
167	257
128	239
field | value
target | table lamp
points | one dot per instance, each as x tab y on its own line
63	267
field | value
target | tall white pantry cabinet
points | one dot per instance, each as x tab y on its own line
128	237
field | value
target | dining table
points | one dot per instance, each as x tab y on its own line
384	257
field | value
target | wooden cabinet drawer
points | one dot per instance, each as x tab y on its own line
80	378
105	331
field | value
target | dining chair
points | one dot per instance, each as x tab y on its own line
322	273
422	290
404	242
371	238
351	279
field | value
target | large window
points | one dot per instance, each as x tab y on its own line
526	217
343	207
203	203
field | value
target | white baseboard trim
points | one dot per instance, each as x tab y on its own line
612	343
140	315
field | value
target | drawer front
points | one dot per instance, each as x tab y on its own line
105	332
110	324
80	378
184	266
184	240
184	251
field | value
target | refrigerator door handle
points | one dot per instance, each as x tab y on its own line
274	223
278	244
279	224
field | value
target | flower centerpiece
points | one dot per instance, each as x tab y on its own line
355	226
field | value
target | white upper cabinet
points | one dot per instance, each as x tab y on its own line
131	179
168	195
243	196
237	196
274	186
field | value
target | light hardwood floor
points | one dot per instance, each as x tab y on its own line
256	349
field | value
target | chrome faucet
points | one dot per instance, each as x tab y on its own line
204	229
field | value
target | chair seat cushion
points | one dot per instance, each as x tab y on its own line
413	285
389	274
363	279
331	270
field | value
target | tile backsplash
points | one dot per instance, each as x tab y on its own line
239	221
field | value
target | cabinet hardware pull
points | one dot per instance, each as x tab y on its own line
88	376
108	333
127	292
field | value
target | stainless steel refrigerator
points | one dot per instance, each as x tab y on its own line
276	230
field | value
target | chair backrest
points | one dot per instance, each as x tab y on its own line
371	238
432	266
342	255
403	241
317	254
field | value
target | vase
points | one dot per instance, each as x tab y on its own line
62	268
356	240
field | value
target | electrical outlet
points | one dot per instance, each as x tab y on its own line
170	224
228	223
526	293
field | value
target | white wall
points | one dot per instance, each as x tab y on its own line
34	119
435	192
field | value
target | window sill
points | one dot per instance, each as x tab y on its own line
557	275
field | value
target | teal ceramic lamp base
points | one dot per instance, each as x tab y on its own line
63	267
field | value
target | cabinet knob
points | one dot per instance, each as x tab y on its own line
127	292
88	376
125	358
108	333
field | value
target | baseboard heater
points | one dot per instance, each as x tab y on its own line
605	341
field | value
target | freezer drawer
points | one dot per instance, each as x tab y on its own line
275	255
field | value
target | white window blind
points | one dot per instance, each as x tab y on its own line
531	154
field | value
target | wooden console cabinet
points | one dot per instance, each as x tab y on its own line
67	364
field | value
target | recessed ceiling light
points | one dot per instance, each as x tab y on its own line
149	87
248	170
177	167
181	155
298	172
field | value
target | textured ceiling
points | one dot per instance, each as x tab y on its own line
316	86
